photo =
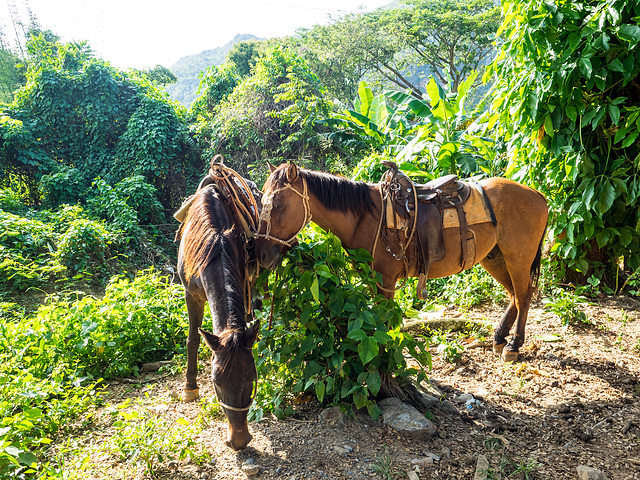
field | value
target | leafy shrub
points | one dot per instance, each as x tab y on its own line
10	201
142	197
84	246
137	321
107	203
66	185
48	360
566	305
466	289
329	334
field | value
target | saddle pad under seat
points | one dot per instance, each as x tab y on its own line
475	209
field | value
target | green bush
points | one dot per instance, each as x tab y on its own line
66	185
328	333
49	360
107	203
84	246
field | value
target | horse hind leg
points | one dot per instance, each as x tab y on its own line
494	264
195	311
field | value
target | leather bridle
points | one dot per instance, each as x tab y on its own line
267	206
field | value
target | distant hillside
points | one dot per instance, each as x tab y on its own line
188	68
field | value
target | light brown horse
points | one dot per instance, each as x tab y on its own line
510	250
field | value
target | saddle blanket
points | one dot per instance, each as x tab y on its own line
475	209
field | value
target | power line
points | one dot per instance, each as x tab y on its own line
299	7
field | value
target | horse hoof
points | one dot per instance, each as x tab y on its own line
509	356
497	349
190	395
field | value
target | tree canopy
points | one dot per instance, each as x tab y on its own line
78	112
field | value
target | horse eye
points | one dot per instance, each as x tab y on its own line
278	206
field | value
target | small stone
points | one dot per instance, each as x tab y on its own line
405	419
174	395
446	452
412	476
342	450
464	398
250	470
482	467
162	408
590	473
332	416
249	461
428	459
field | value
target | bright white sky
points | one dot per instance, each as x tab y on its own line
144	33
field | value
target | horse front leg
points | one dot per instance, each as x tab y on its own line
195	310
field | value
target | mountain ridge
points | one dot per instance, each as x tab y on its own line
187	69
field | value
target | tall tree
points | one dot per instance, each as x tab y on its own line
401	47
453	37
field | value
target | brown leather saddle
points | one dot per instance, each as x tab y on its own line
400	196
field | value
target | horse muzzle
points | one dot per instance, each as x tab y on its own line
238	438
269	255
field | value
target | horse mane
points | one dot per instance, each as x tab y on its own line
209	234
334	192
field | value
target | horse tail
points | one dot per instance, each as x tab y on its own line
535	266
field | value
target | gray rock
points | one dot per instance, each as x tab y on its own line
429	401
405	419
412	476
590	473
447	407
428	459
250	470
482	468
342	449
332	416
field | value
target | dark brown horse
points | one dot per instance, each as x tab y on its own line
214	267
510	250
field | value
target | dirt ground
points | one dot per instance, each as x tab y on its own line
570	402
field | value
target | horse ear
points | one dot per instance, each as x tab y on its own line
272	167
252	333
292	172
212	341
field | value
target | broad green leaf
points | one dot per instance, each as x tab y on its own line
368	349
614	112
435	92
630	33
630	139
626	237
28	458
572	113
366	97
315	289
374	382
585	67
548	125
357	335
320	389
606	197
